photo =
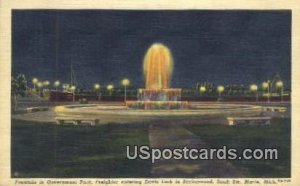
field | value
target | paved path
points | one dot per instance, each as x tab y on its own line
175	136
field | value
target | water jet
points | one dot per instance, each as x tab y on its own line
157	94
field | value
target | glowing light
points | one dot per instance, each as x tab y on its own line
125	82
35	81
253	88
96	86
220	88
279	84
265	85
202	89
46	83
56	83
158	67
40	84
110	87
73	88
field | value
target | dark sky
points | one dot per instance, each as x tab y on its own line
223	47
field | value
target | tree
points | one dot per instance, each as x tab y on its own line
18	88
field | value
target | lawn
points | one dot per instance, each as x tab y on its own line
277	135
47	150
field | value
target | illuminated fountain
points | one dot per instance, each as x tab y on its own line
158	68
157	101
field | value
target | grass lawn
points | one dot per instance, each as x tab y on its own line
47	150
277	135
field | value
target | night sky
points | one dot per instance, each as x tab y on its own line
223	47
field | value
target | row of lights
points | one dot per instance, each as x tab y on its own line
40	84
253	87
125	82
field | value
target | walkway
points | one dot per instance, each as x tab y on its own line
176	136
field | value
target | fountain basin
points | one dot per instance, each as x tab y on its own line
196	112
157	105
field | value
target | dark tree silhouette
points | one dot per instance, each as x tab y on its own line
18	88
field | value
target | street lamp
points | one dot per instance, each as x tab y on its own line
265	85
202	89
46	83
254	88
110	88
56	84
73	91
220	89
65	87
125	83
97	88
279	85
34	82
40	86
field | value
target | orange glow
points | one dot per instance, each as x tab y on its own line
158	67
